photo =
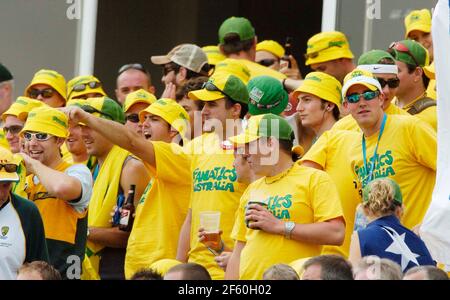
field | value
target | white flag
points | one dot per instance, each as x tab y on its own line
435	229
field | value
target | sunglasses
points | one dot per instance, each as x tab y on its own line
46	93
132	66
133	118
315	54
392	83
167	68
267	62
209	86
9	168
38	136
368	95
91	110
83	86
401	48
14	129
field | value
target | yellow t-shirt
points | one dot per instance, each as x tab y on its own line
331	152
161	210
428	115
3	141
66	155
431	90
302	195
407	154
215	188
258	70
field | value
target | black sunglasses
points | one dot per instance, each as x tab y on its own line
81	87
267	62
392	83
9	168
136	66
133	118
209	86
13	129
46	93
91	110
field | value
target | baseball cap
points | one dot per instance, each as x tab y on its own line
430	71
266	96
271	46
418	20
139	96
370	61
189	56
238	25
51	78
235	67
322	85
9	165
326	46
266	125
172	112
410	52
104	107
21	107
214	55
46	119
220	85
362	77
162	266
83	85
5	75
368	189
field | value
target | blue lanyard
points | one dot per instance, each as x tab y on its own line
372	167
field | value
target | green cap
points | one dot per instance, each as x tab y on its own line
266	96
398	198
5	75
104	107
238	25
414	48
373	57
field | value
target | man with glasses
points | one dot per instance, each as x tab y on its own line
136	102
130	78
83	87
269	54
49	87
22	231
400	147
411	57
61	191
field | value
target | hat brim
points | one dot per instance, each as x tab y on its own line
331	55
419	27
205	95
62	93
243	138
160	59
321	93
9	177
429	72
75	94
254	110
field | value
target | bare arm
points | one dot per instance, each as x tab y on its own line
184	241
134	172
109	237
232	271
355	250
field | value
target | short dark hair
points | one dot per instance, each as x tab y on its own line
425	79
333	267
233	44
190	85
146	274
191	271
230	102
432	272
336	112
47	271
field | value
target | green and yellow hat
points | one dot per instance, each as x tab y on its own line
398	198
234	67
237	25
271	46
21	107
414	52
104	107
267	125
139	96
220	85
46	119
418	20
51	78
363	77
214	55
7	158
172	112
326	46
267	95
322	85
83	85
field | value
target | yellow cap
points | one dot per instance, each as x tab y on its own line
326	46
163	265
47	120
234	67
323	86
418	20
214	55
51	78
172	112
139	96
363	77
79	86
6	157
271	46
21	107
429	71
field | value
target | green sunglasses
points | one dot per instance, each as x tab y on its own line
368	95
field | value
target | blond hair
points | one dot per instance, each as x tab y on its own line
379	197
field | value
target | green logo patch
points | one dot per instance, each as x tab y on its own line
336	44
59	121
315	78
5	230
21	101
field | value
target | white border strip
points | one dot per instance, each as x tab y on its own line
329	15
87	32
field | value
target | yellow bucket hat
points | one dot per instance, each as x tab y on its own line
234	67
8	172
323	86
362	77
21	107
172	112
326	46
139	96
214	55
51	78
271	46
49	120
418	20
83	85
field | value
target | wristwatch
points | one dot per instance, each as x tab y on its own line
288	228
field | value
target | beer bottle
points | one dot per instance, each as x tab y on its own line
287	52
126	216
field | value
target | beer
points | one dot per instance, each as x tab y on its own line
212	239
126	215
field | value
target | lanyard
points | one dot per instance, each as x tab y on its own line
372	167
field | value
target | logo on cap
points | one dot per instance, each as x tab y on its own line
256	94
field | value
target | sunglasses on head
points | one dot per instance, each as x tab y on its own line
13	129
132	66
167	68
211	87
9	168
91	110
392	83
367	95
38	136
133	118
401	48
267	62
83	86
46	93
